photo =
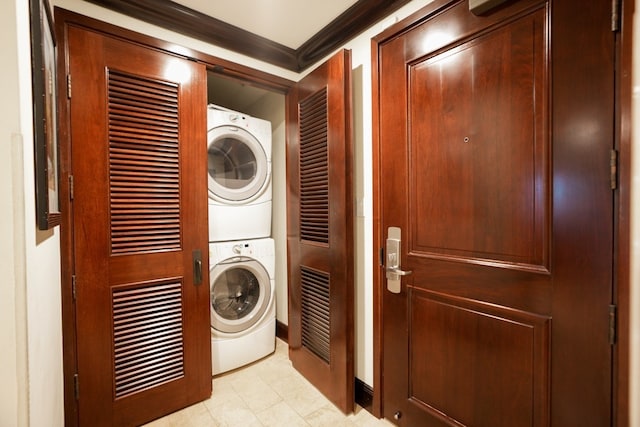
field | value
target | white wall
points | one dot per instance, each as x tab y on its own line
13	371
29	261
31	368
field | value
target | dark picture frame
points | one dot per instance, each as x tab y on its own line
43	81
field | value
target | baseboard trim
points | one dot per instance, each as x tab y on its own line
282	331
364	395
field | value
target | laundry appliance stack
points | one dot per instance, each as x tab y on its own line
241	251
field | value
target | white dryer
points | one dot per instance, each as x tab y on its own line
239	163
243	307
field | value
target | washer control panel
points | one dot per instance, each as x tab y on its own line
242	249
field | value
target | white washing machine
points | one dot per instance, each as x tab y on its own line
239	163
243	306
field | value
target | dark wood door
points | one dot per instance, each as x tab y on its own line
320	229
138	156
495	134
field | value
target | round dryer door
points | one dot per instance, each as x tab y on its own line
240	294
238	166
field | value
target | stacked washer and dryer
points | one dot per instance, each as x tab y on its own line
241	252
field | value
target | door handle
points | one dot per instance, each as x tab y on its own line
397	271
197	267
393	270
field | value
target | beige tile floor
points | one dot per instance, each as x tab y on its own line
267	393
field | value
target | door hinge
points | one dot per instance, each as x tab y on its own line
69	86
73	286
76	386
613	165
70	187
615	15
613	324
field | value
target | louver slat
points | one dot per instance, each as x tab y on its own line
144	165
314	169
148	337
315	322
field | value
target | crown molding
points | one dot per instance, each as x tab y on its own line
180	19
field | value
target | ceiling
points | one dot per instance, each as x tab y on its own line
292	34
287	22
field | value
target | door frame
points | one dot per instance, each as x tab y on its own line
63	20
621	220
622	212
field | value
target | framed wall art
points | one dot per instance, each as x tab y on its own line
43	68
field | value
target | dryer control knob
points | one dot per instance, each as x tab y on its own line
237	249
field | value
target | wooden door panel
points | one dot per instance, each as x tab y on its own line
454	23
479	364
320	229
128	268
139	213
508	287
501	321
479	187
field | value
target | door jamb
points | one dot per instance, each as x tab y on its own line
622	216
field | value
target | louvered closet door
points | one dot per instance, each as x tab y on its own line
139	209
320	229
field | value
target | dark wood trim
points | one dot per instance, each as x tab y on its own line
282	331
415	19
348	25
378	356
218	65
69	359
364	395
183	20
622	281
